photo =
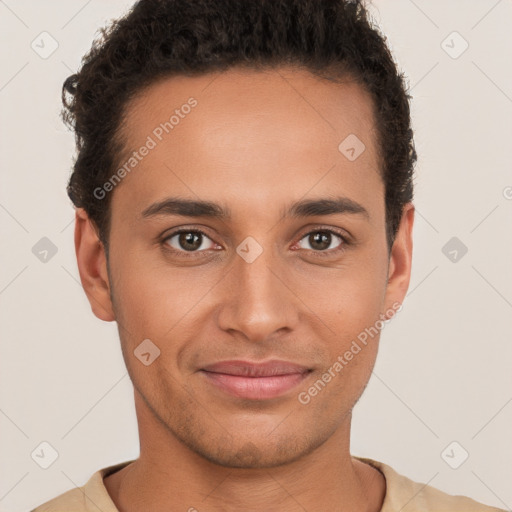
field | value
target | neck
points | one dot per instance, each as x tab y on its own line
168	474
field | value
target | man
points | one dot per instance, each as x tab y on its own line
243	192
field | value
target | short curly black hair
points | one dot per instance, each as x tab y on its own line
164	38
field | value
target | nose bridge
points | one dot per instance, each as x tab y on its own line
259	302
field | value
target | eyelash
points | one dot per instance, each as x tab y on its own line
192	254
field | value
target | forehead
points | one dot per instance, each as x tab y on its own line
268	132
273	96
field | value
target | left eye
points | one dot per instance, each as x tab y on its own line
321	240
190	241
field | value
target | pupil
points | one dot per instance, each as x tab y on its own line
320	240
190	241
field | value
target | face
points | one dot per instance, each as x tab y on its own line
246	233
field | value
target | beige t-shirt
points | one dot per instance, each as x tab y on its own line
402	495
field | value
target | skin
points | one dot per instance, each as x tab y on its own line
255	143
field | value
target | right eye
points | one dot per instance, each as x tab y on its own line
189	240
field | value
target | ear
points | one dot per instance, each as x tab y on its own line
399	270
92	266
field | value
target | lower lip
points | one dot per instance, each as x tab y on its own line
255	388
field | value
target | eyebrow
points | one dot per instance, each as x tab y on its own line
332	206
302	208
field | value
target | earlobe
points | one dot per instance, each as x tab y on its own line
400	264
92	266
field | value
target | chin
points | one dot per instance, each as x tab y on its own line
253	452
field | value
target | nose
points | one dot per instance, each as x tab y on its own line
258	299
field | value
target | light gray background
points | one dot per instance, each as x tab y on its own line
443	371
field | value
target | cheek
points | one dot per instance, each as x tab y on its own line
154	298
349	298
348	305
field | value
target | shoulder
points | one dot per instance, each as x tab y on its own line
407	495
72	500
91	496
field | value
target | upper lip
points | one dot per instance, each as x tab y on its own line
256	369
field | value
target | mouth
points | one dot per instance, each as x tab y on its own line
255	381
